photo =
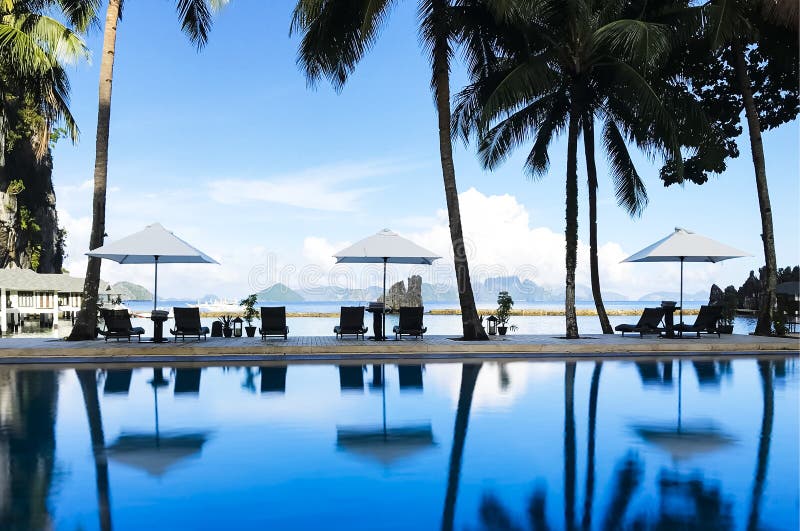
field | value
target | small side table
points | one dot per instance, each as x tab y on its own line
158	317
377	310
669	321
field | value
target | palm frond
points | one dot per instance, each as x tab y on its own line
628	186
335	35
196	19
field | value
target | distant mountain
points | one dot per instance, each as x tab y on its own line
132	292
438	293
674	296
279	293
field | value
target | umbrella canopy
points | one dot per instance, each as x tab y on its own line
153	245
385	247
155	454
686	246
385	445
683	443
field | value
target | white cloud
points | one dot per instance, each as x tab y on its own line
336	188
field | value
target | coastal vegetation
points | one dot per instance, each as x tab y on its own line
542	68
39	40
678	80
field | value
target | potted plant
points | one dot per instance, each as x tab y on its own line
730	301
504	305
226	321
250	313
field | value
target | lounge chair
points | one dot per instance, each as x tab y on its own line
649	323
410	322
118	325
706	322
273	322
187	323
351	322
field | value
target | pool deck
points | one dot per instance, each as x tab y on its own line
305	348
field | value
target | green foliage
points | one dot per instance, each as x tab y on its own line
504	305
15	187
27	221
226	321
249	308
35	252
704	70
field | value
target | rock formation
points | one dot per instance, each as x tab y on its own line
29	234
397	295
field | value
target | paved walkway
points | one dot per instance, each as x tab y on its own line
41	350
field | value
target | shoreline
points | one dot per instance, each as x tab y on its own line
528	312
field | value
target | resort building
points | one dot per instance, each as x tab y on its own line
25	293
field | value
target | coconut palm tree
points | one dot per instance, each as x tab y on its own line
543	67
765	369
35	49
335	36
88	381
469	376
732	23
195	17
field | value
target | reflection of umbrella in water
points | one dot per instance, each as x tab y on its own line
686	441
381	443
683	440
157	452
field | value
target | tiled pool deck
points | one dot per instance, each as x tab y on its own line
43	350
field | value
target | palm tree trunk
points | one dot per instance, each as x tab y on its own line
765	369
473	329
88	382
86	321
569	446
469	376
571	231
590	446
767	305
591	173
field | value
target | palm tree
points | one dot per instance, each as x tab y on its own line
335	36
88	382
469	376
539	68
732	23
586	523
35	49
196	18
764	440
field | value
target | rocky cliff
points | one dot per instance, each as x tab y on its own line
397	295
29	234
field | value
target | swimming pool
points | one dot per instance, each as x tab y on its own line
525	445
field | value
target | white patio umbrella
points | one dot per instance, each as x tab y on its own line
153	245
385	247
686	246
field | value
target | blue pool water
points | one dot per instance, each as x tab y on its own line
691	444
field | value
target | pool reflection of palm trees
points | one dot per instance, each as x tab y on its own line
687	500
469	376
28	401
88	382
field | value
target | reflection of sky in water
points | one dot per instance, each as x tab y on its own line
271	459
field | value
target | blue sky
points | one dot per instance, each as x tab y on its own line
232	151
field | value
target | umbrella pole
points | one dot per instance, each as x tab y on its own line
383	332
155	285
681	310
383	393
680	380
